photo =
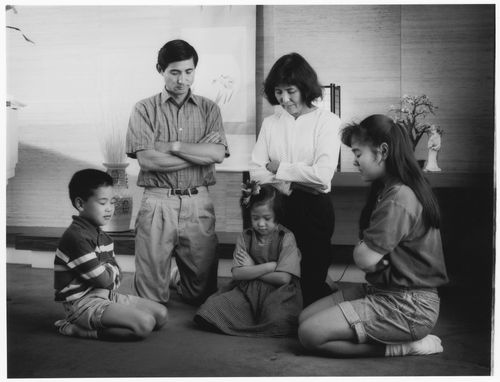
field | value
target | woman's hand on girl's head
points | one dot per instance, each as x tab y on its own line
243	258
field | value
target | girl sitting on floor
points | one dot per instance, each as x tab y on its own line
264	297
400	251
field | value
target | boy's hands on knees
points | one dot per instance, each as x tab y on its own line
243	258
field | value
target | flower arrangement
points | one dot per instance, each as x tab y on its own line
249	188
410	114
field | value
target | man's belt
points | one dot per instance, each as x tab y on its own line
185	191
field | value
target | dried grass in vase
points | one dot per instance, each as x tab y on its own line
113	142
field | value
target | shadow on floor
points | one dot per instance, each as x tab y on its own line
35	350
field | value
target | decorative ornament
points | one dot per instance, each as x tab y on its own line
434	145
249	188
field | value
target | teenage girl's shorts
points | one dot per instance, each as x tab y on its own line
389	315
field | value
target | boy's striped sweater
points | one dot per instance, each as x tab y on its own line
84	260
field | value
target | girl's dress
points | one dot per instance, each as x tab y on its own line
255	308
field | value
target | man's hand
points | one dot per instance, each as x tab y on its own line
273	166
168	147
243	258
213	137
163	147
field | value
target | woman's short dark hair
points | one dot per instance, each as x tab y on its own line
84	182
293	69
173	51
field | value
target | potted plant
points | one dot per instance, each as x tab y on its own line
411	113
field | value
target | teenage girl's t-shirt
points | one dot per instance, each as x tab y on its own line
415	253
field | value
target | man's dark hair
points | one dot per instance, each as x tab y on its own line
293	69
173	51
84	182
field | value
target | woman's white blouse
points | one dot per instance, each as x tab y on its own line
307	149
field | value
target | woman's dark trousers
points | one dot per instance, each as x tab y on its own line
311	218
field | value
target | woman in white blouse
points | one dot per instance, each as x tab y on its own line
297	151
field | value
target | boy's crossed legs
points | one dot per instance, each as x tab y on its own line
119	317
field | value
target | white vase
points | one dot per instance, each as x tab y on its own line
432	165
434	145
121	219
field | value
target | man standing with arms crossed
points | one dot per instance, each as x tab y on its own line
177	137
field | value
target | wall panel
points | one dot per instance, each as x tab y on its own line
375	53
92	63
379	53
448	53
357	47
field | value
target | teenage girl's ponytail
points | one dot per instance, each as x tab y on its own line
403	164
400	163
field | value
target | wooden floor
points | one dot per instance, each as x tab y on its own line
35	350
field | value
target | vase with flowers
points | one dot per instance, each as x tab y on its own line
113	148
410	114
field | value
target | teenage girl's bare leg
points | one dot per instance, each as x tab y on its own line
328	333
316	307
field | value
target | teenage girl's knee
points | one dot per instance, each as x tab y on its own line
303	316
308	336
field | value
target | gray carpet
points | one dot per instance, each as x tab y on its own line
35	350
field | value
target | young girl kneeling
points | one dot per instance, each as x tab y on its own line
264	297
400	251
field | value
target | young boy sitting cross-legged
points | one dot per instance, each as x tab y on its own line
86	274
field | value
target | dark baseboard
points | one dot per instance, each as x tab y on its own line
47	238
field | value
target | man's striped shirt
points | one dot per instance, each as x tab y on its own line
84	260
160	119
